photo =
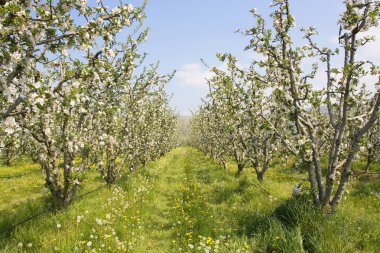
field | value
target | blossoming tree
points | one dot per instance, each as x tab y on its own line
340	95
65	82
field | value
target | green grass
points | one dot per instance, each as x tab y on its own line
184	202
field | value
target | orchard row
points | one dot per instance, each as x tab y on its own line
75	93
273	110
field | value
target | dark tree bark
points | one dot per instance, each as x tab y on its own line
240	169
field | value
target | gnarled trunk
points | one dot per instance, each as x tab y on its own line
111	171
240	168
64	193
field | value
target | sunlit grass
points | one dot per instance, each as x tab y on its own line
185	202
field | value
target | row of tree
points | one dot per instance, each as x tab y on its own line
74	91
272	108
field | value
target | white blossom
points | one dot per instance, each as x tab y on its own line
16	56
64	52
130	7
254	11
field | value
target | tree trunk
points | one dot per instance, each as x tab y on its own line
111	173
240	169
346	174
369	160
313	182
260	176
133	167
8	156
225	165
8	161
34	158
64	193
261	172
63	200
317	175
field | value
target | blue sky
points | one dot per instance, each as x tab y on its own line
183	32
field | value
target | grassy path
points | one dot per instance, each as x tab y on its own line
158	231
195	206
185	202
181	212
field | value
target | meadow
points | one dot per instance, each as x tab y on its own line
185	202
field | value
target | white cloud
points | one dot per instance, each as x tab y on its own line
368	52
193	74
320	80
371	51
334	40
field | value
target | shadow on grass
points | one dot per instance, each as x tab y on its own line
21	213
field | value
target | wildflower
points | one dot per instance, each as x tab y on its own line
20	244
99	222
59	225
29	245
89	243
